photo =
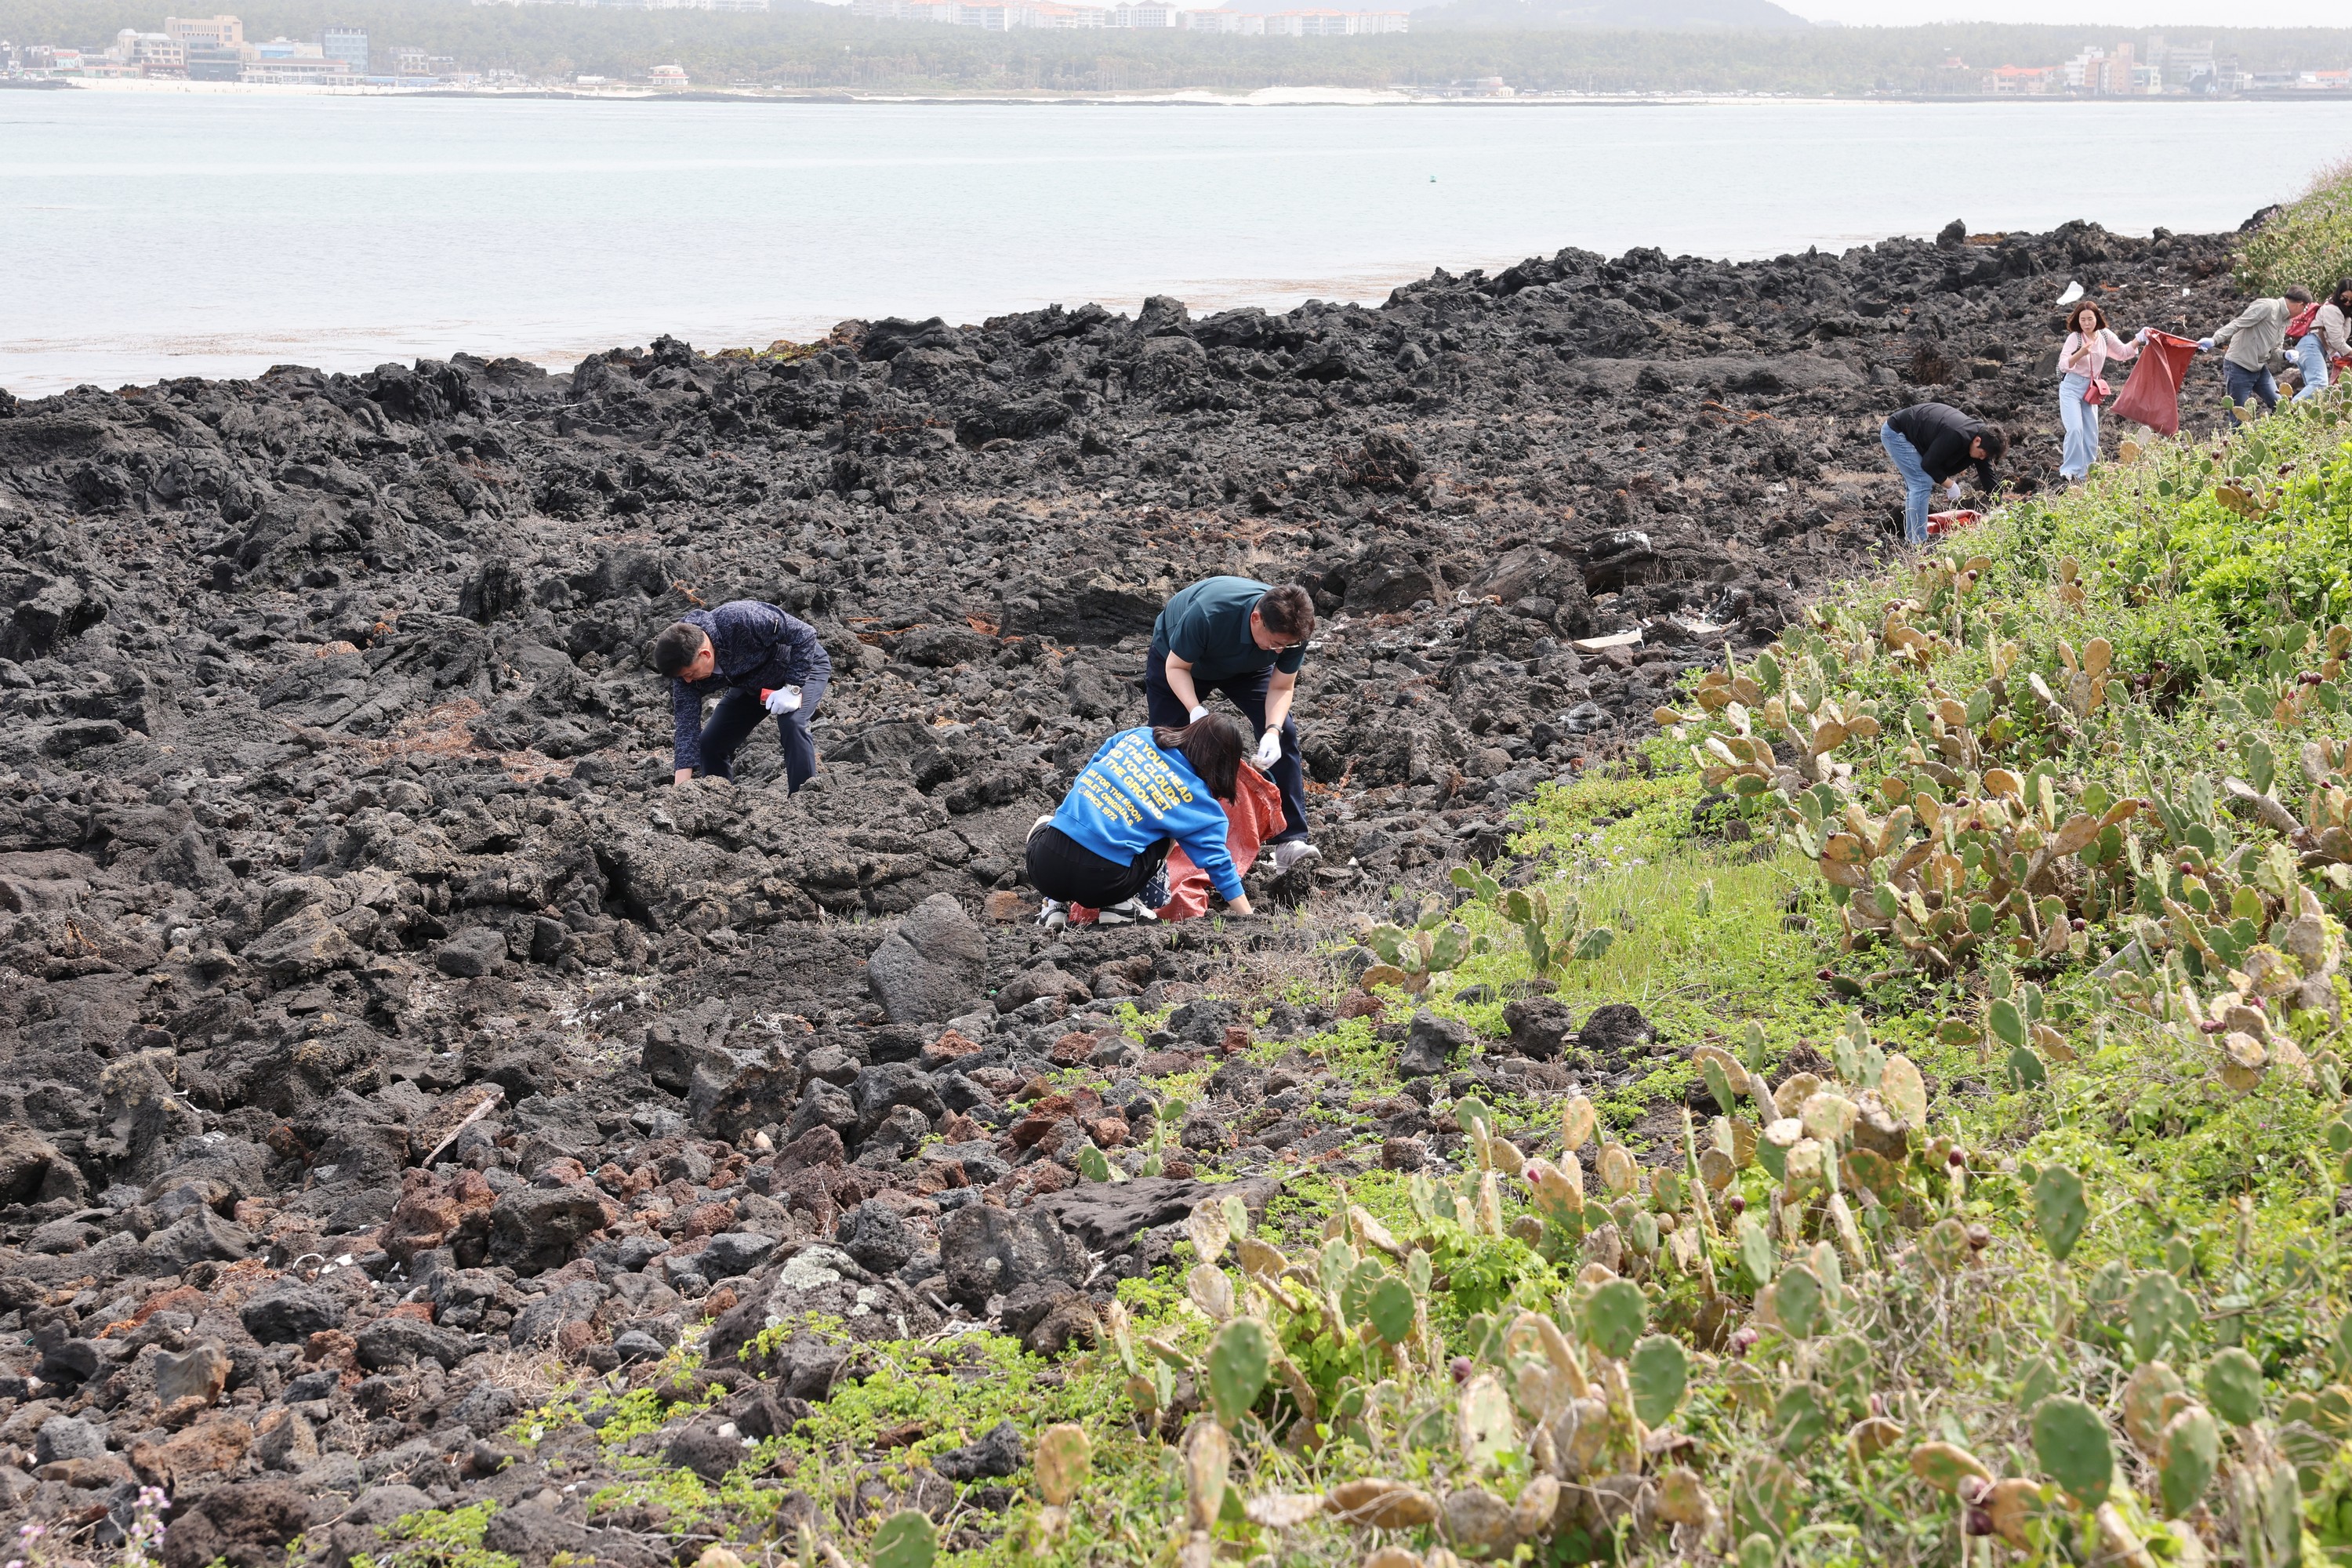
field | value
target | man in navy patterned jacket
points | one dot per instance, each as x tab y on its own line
759	659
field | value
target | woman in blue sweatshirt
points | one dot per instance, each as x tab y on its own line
1144	792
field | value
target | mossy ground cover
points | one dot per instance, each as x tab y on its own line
2041	1259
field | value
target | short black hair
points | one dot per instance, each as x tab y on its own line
680	644
1996	440
1287	611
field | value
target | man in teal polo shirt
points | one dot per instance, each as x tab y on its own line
1247	639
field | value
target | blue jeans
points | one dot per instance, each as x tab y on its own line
2310	354
2243	383
739	713
2082	422
1916	486
1246	693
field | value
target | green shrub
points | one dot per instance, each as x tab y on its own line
2310	242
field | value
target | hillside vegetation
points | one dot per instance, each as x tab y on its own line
2310	242
1991	1183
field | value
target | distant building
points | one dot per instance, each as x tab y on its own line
2181	64
670	76
2122	73
1320	24
411	62
214	46
349	45
149	54
2021	79
309	68
205	32
757	6
1001	16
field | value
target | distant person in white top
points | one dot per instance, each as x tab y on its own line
2089	346
2322	349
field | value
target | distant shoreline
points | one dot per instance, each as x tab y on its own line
1202	98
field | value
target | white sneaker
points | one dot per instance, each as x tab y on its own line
1290	852
1130	913
1044	820
1054	914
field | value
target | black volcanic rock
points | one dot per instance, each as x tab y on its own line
378	1012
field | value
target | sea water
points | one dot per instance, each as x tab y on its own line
145	234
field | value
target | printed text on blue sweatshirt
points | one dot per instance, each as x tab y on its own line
1132	794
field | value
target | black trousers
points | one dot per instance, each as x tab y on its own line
1246	693
1061	867
739	713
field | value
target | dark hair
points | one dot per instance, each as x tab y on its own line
2297	295
2342	288
1996	440
1288	613
1213	744
2074	313
680	644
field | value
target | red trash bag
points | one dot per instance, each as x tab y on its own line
1940	523
1251	817
2152	395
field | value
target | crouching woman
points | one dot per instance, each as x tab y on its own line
1144	793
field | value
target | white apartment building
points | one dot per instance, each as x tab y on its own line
1319	24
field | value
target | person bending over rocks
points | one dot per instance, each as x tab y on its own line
1247	639
2250	343
759	659
1145	792
1931	444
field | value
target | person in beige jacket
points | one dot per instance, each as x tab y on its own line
2251	342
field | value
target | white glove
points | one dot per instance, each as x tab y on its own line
1195	713
2204	345
1953	490
784	699
1269	748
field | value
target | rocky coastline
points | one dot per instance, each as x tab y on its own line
380	1029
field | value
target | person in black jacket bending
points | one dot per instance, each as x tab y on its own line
1930	444
760	661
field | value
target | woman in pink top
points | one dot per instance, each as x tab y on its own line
2089	346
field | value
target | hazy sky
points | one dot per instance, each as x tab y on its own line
2117	13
